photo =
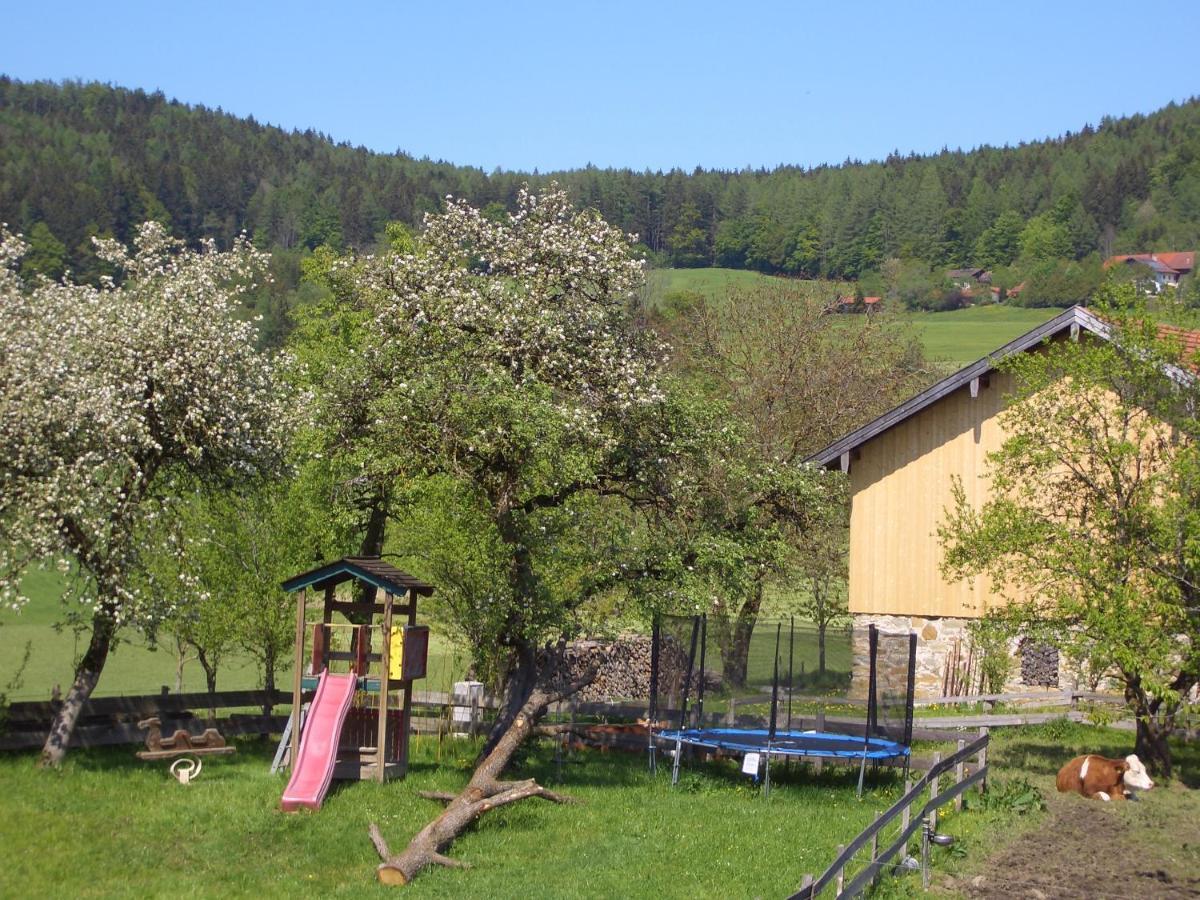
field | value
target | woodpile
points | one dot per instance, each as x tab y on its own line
623	668
1039	664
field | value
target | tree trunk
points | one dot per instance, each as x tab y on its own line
375	530
821	626
484	792
180	662
735	654
518	689
210	679
269	680
87	674
1151	744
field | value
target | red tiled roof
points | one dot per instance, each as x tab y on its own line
1189	342
1181	262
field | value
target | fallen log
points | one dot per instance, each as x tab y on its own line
484	792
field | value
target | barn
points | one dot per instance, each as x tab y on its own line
900	467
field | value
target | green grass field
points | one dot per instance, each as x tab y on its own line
965	335
109	825
135	666
959	337
711	283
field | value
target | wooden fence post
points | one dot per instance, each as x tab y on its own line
906	813
806	885
875	847
983	761
958	776
841	879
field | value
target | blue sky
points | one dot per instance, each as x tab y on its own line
521	85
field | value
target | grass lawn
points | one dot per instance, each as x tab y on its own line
108	825
712	283
959	337
136	667
965	335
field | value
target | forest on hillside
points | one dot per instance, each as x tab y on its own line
78	160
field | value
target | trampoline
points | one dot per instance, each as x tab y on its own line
887	731
789	743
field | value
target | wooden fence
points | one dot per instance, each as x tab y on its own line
113	720
908	816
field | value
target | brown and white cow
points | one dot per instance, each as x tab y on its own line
1108	779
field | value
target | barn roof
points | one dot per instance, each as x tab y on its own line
371	569
1074	318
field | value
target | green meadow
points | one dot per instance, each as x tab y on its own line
136	666
961	336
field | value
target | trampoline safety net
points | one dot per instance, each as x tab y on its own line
711	672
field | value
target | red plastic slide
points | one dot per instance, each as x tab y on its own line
313	766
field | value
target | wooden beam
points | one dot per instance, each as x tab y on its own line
301	601
384	662
407	701
845	461
349	610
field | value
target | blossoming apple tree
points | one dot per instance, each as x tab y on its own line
112	398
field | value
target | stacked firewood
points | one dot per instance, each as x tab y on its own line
623	667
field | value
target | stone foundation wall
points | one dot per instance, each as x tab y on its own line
935	645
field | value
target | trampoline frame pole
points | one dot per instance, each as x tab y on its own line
791	659
683	702
774	712
652	711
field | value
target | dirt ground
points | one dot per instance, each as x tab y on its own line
1093	851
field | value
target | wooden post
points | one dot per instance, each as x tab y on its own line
906	813
384	664
958	776
818	762
841	879
806	885
983	762
875	846
301	602
406	704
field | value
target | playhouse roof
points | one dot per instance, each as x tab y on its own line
1074	318
371	569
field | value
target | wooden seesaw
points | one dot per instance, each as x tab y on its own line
181	742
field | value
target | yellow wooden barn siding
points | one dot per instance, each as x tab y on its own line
900	482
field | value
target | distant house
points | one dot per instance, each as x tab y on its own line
853	304
969	278
901	468
1165	268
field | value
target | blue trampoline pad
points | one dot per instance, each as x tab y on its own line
788	743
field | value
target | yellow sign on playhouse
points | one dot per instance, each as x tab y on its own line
408	653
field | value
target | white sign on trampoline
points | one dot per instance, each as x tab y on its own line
750	764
